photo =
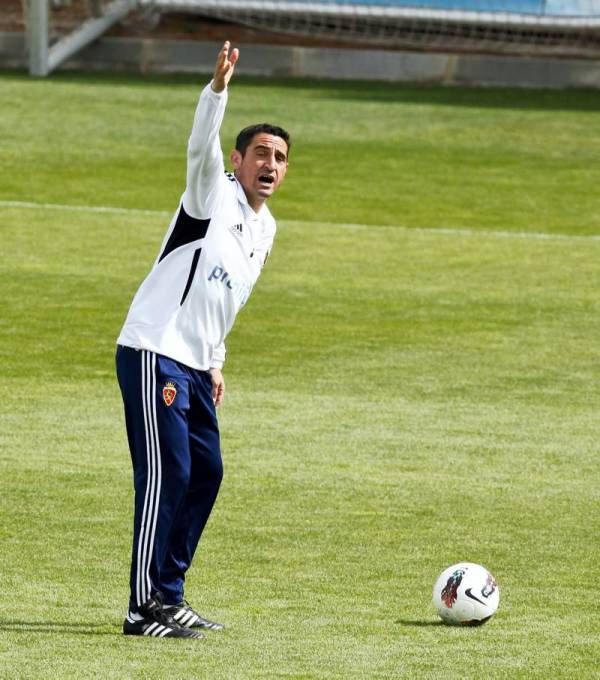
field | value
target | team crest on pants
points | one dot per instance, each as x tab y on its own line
169	393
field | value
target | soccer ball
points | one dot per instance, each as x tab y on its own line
466	594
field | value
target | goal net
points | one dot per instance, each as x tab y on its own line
564	28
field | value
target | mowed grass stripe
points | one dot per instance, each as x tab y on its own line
363	153
459	231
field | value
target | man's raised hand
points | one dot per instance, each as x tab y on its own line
224	67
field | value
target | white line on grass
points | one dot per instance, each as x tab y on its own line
534	235
28	205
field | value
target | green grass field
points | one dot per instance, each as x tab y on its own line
415	381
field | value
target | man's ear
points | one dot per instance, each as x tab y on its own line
236	159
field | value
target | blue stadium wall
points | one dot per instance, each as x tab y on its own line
539	7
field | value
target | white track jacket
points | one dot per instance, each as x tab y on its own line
210	258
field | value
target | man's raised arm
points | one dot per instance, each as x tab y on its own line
205	158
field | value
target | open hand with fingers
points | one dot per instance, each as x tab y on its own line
224	67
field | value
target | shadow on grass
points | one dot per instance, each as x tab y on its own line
419	624
49	627
471	97
352	90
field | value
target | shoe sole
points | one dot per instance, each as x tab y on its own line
159	630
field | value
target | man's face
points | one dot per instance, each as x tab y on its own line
262	168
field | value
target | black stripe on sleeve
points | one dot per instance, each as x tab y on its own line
186	230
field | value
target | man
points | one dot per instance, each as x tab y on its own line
171	350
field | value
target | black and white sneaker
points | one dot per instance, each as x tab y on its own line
187	617
154	620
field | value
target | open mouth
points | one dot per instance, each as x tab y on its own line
266	179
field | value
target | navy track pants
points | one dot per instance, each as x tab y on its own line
173	437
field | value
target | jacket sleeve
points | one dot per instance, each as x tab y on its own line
218	356
205	167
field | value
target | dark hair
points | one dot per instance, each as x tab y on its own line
247	135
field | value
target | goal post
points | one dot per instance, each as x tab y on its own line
43	57
37	29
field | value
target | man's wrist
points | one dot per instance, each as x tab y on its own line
214	86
